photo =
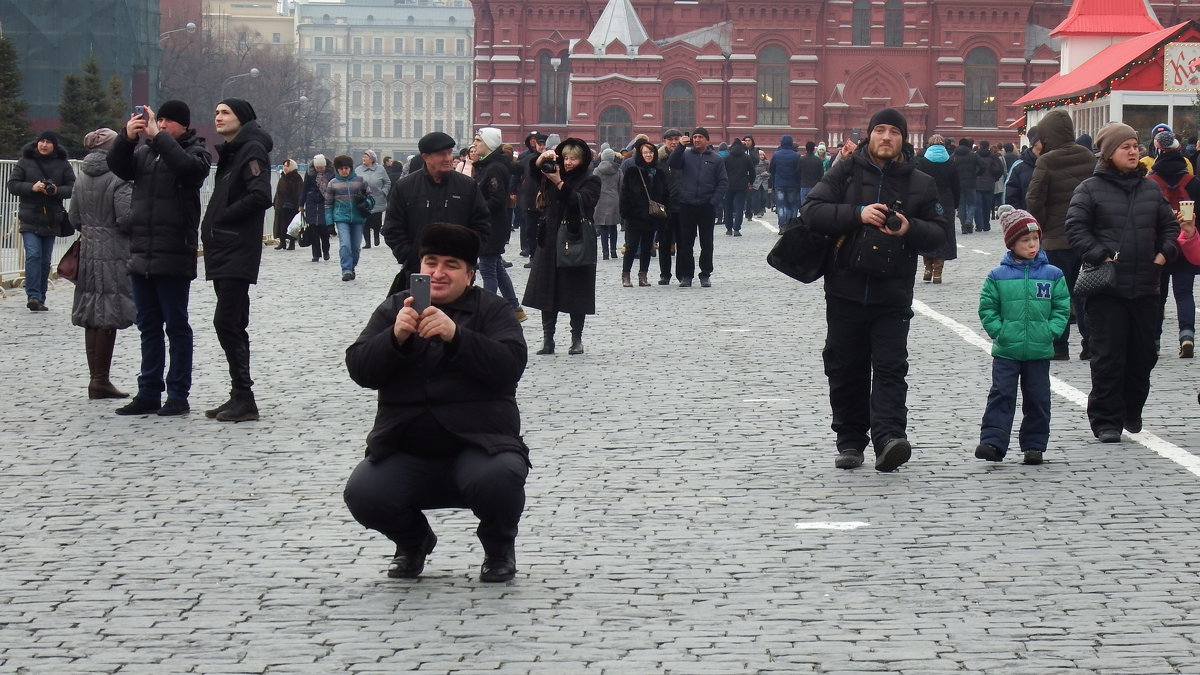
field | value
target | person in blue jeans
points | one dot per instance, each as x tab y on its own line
348	203
41	180
785	181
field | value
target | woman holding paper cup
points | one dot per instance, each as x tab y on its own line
1180	188
1118	215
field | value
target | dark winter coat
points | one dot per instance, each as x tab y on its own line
991	168
492	175
701	177
1062	166
417	200
100	211
834	207
608	207
785	166
289	191
550	287
937	165
164	217
811	170
529	185
313	196
739	169
232	230
467	386
1114	212
1018	180
39	212
641	183
966	163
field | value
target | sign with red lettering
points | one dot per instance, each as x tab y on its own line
1181	66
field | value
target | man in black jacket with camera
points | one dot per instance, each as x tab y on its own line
880	210
167	172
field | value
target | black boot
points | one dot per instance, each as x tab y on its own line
576	334
99	343
291	244
213	412
549	319
499	564
409	563
242	408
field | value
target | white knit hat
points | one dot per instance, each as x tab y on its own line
490	137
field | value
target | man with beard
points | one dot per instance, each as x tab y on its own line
874	200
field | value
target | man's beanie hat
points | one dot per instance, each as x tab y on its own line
1111	136
889	116
1032	135
178	111
1166	140
1016	224
455	241
343	161
240	107
672	133
435	141
490	137
700	131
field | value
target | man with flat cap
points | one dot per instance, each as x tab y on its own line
447	431
438	194
232	234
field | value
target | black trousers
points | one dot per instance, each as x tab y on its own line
390	495
231	318
1121	339
866	361
667	235
320	241
695	221
639	243
374	224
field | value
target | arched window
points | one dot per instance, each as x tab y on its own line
615	126
679	105
979	95
554	76
893	23
772	105
861	26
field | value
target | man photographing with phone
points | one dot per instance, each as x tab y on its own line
447	430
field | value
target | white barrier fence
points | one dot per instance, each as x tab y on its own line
12	251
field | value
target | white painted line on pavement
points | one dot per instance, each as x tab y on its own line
975	250
735	330
829	525
1160	447
764	400
773	229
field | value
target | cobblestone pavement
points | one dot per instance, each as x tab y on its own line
684	514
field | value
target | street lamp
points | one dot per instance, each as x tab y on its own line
190	28
302	100
253	73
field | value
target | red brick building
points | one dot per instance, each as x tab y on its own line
604	70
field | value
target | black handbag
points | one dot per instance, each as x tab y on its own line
576	239
876	254
800	252
1094	279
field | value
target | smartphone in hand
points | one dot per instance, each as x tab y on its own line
418	288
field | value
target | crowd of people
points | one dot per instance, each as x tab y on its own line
447	364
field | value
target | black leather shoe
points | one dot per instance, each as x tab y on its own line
1109	435
410	564
499	566
895	453
989	452
664	281
576	346
1033	457
139	406
849	459
174	406
1134	426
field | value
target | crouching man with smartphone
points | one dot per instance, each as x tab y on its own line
447	429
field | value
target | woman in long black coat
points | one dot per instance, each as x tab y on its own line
287	203
550	288
936	162
641	182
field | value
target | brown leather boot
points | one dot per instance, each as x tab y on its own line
928	274
100	353
642	280
937	270
625	280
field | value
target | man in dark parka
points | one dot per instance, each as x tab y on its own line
232	232
447	430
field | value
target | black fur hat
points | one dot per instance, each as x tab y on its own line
453	240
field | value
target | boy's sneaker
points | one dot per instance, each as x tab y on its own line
989	452
1032	457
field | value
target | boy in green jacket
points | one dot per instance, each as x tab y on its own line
1024	307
